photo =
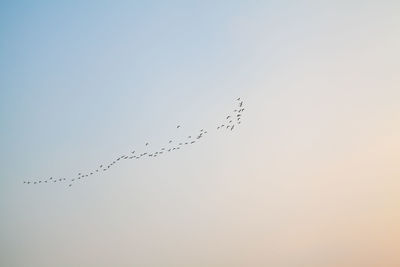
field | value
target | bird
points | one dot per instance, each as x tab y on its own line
70	185
230	120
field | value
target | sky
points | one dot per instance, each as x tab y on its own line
310	178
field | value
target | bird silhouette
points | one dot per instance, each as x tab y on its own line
230	125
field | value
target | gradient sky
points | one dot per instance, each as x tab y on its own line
311	178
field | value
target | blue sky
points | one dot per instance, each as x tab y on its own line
311	173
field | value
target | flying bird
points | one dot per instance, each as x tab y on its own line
230	125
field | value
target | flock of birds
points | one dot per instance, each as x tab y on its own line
231	121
